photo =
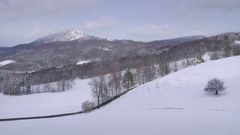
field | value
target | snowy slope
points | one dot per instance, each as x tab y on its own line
69	35
173	105
46	103
184	89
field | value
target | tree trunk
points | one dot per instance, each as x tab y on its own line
216	92
98	102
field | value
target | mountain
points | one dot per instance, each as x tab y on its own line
71	46
179	40
69	35
3	48
176	101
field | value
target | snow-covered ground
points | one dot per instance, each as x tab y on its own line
6	62
83	62
46	103
173	105
237	42
207	56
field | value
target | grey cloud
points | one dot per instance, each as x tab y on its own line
152	32
25	20
224	5
101	22
23	8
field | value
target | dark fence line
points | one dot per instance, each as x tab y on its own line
66	114
107	102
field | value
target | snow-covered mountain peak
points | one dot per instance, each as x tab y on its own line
69	35
76	34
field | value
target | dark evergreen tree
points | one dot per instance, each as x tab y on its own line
128	80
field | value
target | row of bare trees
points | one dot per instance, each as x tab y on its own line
115	82
17	84
110	80
22	84
108	85
147	70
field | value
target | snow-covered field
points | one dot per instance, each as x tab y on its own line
46	103
173	105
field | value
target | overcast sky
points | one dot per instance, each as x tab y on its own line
22	21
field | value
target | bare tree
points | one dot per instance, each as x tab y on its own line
140	72
175	67
105	94
214	56
164	68
96	90
12	84
26	84
99	87
64	85
115	79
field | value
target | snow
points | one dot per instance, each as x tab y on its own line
207	56
104	48
184	89
87	61
69	35
237	42
83	62
173	105
46	103
6	62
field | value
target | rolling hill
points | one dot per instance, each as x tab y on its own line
172	105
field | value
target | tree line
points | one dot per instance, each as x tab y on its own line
145	68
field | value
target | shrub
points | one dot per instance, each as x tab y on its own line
214	86
88	105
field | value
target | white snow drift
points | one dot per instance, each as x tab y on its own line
83	62
6	62
173	105
237	42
